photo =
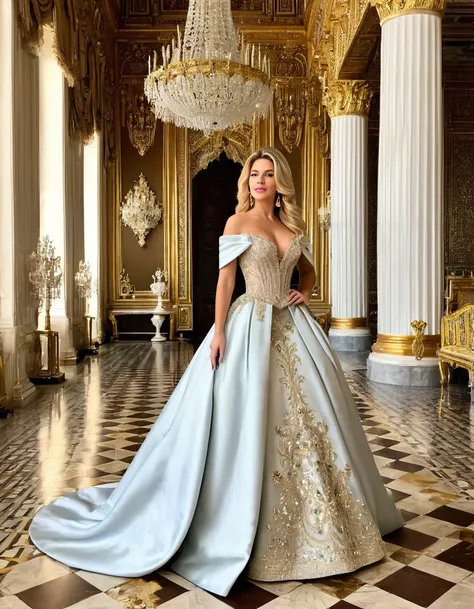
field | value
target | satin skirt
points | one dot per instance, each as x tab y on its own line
261	466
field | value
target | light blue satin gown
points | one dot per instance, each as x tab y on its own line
261	466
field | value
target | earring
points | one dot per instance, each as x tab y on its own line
252	200
278	201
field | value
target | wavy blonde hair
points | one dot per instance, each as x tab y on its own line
289	212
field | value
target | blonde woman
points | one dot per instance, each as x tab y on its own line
258	463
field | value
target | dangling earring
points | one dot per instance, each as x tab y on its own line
278	201
252	200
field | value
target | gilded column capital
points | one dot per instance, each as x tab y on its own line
347	97
390	9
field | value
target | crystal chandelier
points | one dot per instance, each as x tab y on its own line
140	210
207	82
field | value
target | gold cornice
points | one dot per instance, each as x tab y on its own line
394	344
261	34
390	9
347	97
333	33
271	34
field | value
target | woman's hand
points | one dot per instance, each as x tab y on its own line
295	297
217	349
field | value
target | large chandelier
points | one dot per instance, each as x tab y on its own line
206	81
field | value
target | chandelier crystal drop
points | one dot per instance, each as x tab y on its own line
207	81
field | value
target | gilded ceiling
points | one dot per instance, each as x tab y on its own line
136	13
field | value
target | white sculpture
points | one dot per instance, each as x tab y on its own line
159	287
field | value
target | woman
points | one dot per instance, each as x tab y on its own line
259	460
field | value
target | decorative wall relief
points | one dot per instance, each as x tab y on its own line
318	116
141	211
126	286
235	143
141	124
290	106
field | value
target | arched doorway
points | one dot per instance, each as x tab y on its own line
214	197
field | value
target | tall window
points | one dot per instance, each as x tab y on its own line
52	125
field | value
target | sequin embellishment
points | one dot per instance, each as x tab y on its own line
319	528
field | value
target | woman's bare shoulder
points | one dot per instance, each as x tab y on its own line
234	225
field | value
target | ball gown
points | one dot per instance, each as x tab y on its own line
260	467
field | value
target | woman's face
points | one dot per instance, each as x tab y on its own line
262	180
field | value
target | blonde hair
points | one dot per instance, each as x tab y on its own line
289	213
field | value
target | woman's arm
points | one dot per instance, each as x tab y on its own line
307	277
306	285
224	291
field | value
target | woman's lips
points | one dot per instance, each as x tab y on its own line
260	190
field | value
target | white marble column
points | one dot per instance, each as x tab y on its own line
348	106
19	201
410	196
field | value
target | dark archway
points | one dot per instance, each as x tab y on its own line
214	197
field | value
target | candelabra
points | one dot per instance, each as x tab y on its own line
46	279
126	286
83	280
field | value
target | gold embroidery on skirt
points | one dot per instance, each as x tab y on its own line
260	306
319	527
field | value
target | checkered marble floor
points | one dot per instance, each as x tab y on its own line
87	432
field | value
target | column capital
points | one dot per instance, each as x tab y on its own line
347	97
390	9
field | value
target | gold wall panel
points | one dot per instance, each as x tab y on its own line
459	202
141	262
459	180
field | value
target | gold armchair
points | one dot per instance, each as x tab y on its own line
457	343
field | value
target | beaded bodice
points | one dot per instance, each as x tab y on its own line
267	277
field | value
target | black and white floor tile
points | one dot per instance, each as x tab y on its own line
87	432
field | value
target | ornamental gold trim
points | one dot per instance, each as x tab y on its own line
348	323
141	124
346	97
290	106
236	143
390	9
396	344
198	67
418	347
